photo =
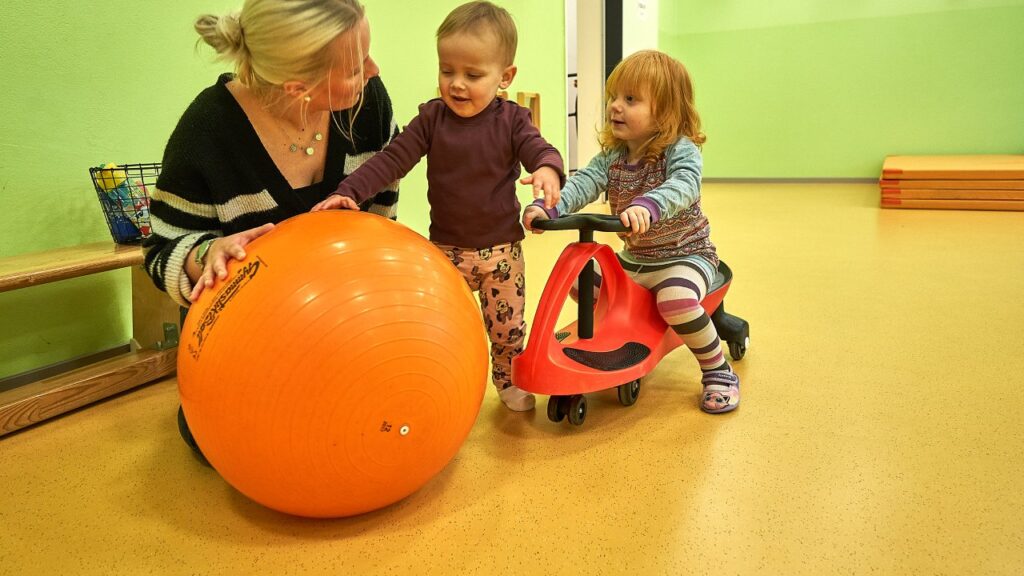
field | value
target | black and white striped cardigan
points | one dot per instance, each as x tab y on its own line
217	179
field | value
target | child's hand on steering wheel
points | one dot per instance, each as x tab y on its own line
533	212
637	219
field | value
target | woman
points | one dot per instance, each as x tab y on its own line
303	109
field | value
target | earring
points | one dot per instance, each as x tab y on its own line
307	98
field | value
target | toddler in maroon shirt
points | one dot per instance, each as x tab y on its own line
474	143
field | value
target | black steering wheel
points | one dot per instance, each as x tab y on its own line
581	222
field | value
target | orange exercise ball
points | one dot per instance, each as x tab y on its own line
337	369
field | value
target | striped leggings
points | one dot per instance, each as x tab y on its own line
678	289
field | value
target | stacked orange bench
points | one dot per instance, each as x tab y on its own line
994	182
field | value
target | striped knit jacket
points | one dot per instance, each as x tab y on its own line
217	179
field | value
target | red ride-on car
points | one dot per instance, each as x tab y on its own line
613	344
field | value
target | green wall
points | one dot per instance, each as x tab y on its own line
819	89
84	84
87	84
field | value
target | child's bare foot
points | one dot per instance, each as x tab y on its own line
517	399
721	392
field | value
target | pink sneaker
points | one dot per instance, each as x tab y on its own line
721	392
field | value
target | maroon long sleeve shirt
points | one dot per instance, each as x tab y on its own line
472	168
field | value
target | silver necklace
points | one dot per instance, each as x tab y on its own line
317	137
295	147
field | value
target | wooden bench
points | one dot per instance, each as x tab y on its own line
152	350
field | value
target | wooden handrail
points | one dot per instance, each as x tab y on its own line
35	268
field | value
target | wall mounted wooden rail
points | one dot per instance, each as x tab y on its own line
152	356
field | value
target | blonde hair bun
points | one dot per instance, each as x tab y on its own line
223	33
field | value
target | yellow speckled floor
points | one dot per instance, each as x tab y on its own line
881	432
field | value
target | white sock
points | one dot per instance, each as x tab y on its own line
517	399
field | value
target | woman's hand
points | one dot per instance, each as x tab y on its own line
545	183
219	253
637	219
532	213
336	201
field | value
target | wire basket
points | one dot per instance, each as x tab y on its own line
124	196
